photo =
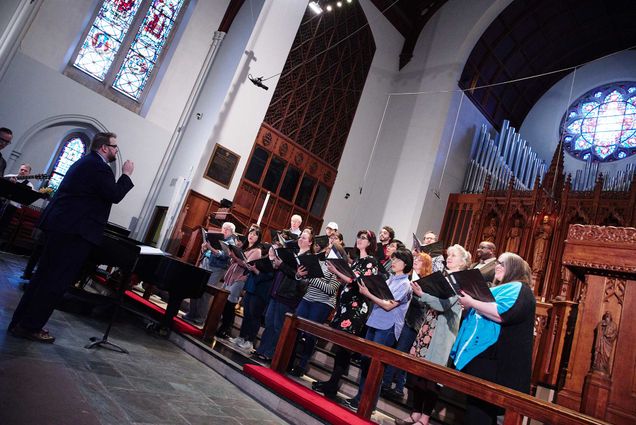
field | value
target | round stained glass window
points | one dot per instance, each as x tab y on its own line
601	124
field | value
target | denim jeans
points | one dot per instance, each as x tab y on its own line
391	373
381	336
253	309
316	312
274	319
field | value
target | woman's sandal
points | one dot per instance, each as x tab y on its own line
409	421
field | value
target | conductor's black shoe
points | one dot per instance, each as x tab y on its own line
39	336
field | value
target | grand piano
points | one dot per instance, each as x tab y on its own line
180	279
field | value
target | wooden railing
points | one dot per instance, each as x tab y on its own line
516	404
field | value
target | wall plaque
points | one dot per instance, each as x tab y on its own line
222	166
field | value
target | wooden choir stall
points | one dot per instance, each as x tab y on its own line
581	246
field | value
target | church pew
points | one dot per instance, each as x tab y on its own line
516	404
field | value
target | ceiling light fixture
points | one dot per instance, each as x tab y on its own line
315	7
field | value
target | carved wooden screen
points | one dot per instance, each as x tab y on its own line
299	146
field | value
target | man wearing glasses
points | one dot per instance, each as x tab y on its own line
6	136
73	224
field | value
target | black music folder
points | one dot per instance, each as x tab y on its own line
287	256
470	281
377	286
342	266
433	249
263	264
312	265
415	246
436	285
214	238
228	248
322	241
473	283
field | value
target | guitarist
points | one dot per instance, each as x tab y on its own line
24	171
8	208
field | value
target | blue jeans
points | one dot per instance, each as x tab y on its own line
391	373
316	312
274	319
381	336
253	309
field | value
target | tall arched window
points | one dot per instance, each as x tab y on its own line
601	124
123	45
74	147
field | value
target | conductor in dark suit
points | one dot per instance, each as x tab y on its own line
73	223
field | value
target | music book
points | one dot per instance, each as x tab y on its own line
415	246
227	248
350	250
377	286
322	241
312	265
436	285
342	266
321	256
473	283
214	238
470	281
433	249
287	256
263	264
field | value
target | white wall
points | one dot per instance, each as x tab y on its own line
409	157
34	90
359	148
542	124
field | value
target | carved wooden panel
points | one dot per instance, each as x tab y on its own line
198	209
319	89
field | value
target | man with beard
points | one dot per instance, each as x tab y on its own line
73	224
487	256
385	237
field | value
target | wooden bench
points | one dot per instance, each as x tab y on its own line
516	404
303	396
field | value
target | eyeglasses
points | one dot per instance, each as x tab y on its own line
7	141
499	263
111	146
363	237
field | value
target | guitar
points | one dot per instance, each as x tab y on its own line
32	177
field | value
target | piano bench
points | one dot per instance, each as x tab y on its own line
315	403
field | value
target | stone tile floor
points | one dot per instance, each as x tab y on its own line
157	383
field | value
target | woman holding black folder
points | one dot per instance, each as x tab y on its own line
495	339
352	308
287	291
386	319
437	329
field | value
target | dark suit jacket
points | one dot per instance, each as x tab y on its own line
488	271
82	203
3	165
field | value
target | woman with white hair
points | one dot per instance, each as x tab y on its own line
435	338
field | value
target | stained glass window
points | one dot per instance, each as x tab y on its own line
72	150
144	51
125	41
601	124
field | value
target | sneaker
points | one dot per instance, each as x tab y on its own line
351	403
237	341
246	345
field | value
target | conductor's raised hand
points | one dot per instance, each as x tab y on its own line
128	168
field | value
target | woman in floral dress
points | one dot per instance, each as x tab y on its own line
434	339
352	308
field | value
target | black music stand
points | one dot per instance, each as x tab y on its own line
19	193
124	255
